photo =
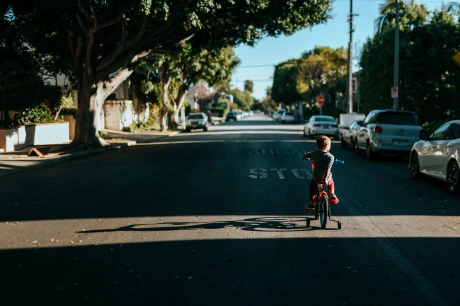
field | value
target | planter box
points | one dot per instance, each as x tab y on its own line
17	138
13	139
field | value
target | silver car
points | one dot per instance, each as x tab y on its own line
438	156
388	131
321	125
196	121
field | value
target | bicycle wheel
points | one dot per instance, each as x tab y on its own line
323	210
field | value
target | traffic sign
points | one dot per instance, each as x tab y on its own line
456	58
394	92
320	100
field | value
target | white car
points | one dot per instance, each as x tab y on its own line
278	114
438	156
321	125
196	121
288	117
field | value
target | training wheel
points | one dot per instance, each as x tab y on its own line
339	225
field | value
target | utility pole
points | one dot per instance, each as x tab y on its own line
396	62
350	62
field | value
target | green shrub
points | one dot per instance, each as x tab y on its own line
219	111
34	115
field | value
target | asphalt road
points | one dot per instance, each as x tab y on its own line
217	218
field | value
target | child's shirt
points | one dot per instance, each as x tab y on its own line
323	162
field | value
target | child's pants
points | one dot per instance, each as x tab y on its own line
330	186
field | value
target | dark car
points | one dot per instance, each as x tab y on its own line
231	116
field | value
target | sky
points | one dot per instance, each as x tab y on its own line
257	63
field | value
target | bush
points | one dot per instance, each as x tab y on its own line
219	111
35	115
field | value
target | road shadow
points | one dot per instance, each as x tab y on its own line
269	271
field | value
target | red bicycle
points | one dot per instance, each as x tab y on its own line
322	207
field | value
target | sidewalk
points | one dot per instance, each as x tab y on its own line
12	162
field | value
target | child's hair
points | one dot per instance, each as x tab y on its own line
323	141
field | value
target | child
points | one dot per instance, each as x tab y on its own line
323	163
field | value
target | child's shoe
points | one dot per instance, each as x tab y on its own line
334	199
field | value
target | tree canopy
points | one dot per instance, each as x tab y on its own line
428	77
98	40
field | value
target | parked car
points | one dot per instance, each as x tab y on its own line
231	116
239	114
321	125
348	134
388	131
288	117
438	156
196	121
278	114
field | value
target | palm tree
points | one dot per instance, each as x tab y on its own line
387	16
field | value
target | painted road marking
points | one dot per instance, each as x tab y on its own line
261	173
275	152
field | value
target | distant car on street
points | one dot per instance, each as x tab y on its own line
388	131
321	125
288	117
348	134
278	114
196	121
438	156
231	116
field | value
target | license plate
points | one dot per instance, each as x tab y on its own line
326	126
400	143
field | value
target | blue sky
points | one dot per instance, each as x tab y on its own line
271	51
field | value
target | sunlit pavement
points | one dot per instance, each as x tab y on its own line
216	218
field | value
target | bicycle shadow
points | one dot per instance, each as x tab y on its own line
261	224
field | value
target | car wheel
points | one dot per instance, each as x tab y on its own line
353	145
305	133
414	166
309	134
187	130
369	153
453	177
343	144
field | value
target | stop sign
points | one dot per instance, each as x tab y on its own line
320	100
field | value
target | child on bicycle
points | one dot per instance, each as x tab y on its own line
323	161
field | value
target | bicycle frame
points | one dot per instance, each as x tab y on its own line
322	207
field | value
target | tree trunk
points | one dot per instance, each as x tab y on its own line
178	104
91	97
163	114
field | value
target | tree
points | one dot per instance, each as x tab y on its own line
243	99
249	86
178	71
21	82
428	77
321	71
100	40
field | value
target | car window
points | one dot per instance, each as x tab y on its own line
195	116
360	122
326	119
397	118
371	118
454	131
352	126
231	114
441	133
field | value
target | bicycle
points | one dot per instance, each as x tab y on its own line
322	207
